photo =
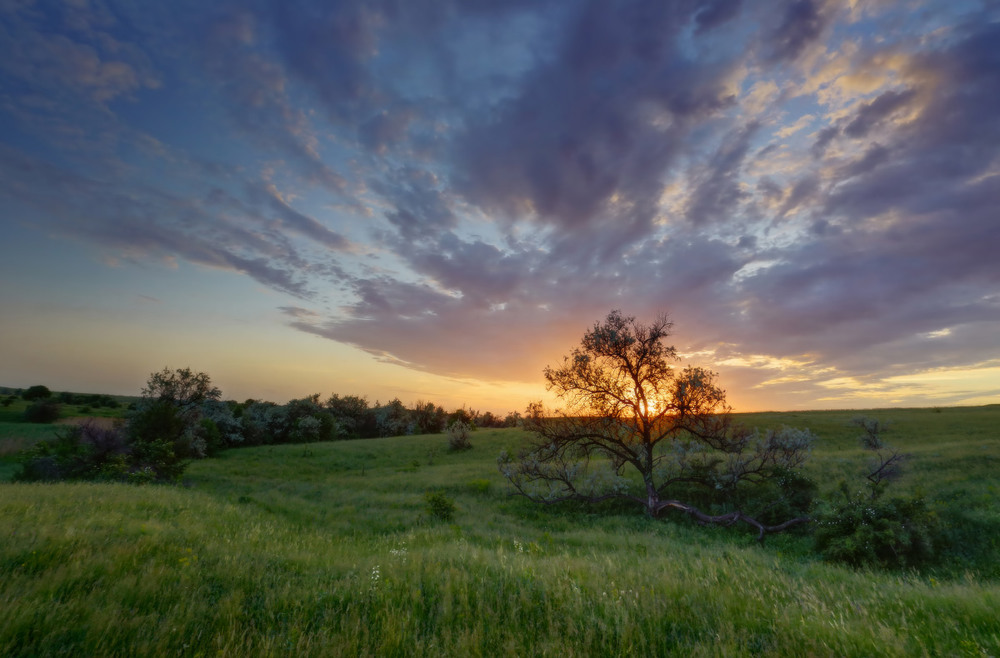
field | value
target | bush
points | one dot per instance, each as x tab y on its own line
458	436
869	529
79	452
439	505
890	533
91	452
42	411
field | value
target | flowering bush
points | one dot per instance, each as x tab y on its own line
458	436
888	533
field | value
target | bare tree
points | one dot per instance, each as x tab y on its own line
887	465
636	429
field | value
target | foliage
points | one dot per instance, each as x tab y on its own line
92	452
354	418
183	388
638	431
462	416
94	400
166	428
439	505
271	552
887	532
868	529
392	418
36	392
42	410
426	418
459	434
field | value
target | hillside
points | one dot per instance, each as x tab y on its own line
329	549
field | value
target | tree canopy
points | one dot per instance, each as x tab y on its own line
635	428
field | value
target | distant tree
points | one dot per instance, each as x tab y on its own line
426	418
630	412
392	418
307	420
354	418
259	422
166	425
462	415
36	392
512	419
182	388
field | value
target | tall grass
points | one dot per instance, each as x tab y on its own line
328	549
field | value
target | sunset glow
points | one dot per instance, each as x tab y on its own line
433	201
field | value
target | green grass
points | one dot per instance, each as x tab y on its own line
15	412
15	437
328	549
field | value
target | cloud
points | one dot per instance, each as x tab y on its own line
717	191
802	24
463	188
257	91
800	123
139	223
605	118
873	113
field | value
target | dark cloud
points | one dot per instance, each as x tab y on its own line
141	223
919	253
717	193
802	24
715	13
295	221
823	139
256	90
471	184
870	114
584	127
419	206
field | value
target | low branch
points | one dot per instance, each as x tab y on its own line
730	519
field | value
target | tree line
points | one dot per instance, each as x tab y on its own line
181	416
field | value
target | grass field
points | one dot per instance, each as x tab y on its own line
327	549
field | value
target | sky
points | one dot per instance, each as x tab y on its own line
435	199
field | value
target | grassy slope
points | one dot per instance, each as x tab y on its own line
326	549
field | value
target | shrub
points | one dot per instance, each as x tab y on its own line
868	529
439	505
888	533
42	411
78	452
91	452
458	436
479	486
36	392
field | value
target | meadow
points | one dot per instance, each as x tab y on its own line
330	549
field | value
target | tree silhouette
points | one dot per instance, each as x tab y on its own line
636	429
